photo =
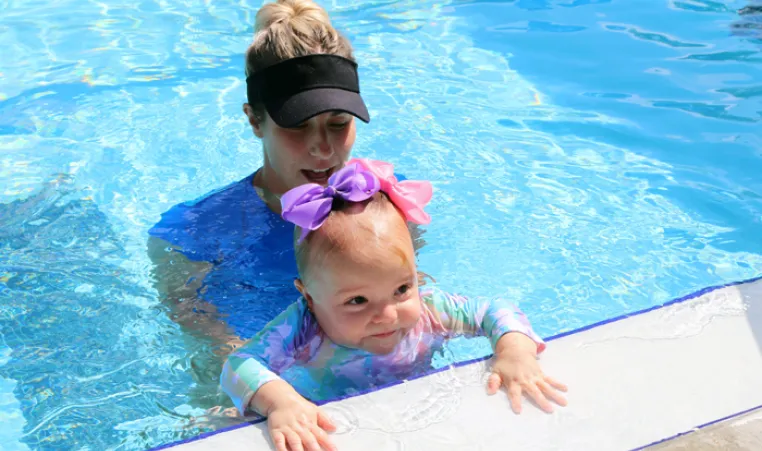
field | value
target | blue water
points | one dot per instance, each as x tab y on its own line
590	158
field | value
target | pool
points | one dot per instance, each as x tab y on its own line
606	162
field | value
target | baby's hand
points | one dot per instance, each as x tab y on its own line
301	425
517	369
295	424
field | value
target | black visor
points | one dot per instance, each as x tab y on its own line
299	88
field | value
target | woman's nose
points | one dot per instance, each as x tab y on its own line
320	147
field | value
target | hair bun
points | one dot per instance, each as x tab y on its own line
290	13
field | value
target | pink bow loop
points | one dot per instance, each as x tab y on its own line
410	196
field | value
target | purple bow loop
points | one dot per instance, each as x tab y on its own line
309	205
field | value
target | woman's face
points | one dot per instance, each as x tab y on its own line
308	153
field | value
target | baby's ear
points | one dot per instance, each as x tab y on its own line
300	286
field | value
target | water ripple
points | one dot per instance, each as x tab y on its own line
651	36
746	56
700	6
595	163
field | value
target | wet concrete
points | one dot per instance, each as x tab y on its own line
742	433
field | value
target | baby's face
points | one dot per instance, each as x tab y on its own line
366	303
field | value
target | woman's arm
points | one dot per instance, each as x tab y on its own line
177	280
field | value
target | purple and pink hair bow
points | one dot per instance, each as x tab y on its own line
309	205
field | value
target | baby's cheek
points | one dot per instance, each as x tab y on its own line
351	331
411	313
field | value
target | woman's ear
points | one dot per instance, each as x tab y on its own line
255	123
300	286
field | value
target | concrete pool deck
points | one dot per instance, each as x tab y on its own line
743	432
635	383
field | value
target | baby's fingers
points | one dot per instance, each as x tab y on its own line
307	434
514	396
538	397
279	440
554	396
493	383
555	384
309	441
294	441
325	422
322	438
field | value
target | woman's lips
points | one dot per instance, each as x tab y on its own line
320	176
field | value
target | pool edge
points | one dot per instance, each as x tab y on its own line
692	296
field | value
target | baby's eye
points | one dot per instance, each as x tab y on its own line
359	300
403	289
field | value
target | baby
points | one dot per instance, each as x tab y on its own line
362	317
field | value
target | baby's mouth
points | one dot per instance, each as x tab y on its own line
385	334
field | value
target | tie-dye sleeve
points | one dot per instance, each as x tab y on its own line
492	318
265	356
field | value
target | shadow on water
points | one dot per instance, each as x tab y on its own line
750	24
90	345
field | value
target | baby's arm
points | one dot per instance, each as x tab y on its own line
246	378
255	364
492	318
515	344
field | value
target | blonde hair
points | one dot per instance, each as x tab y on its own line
286	29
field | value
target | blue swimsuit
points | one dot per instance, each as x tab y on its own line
250	247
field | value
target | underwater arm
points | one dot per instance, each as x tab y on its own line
177	280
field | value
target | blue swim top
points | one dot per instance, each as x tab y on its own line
251	248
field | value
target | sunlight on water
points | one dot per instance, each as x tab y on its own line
589	160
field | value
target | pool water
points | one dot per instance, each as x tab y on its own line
590	158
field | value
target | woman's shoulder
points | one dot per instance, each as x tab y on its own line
237	192
212	206
212	216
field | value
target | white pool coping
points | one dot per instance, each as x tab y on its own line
633	382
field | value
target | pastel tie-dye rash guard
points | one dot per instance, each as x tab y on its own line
292	347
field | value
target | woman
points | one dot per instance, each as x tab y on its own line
231	247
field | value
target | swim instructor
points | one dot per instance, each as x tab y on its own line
225	263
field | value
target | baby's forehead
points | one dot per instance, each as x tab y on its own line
372	260
361	234
368	245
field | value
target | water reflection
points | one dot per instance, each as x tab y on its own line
91	349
